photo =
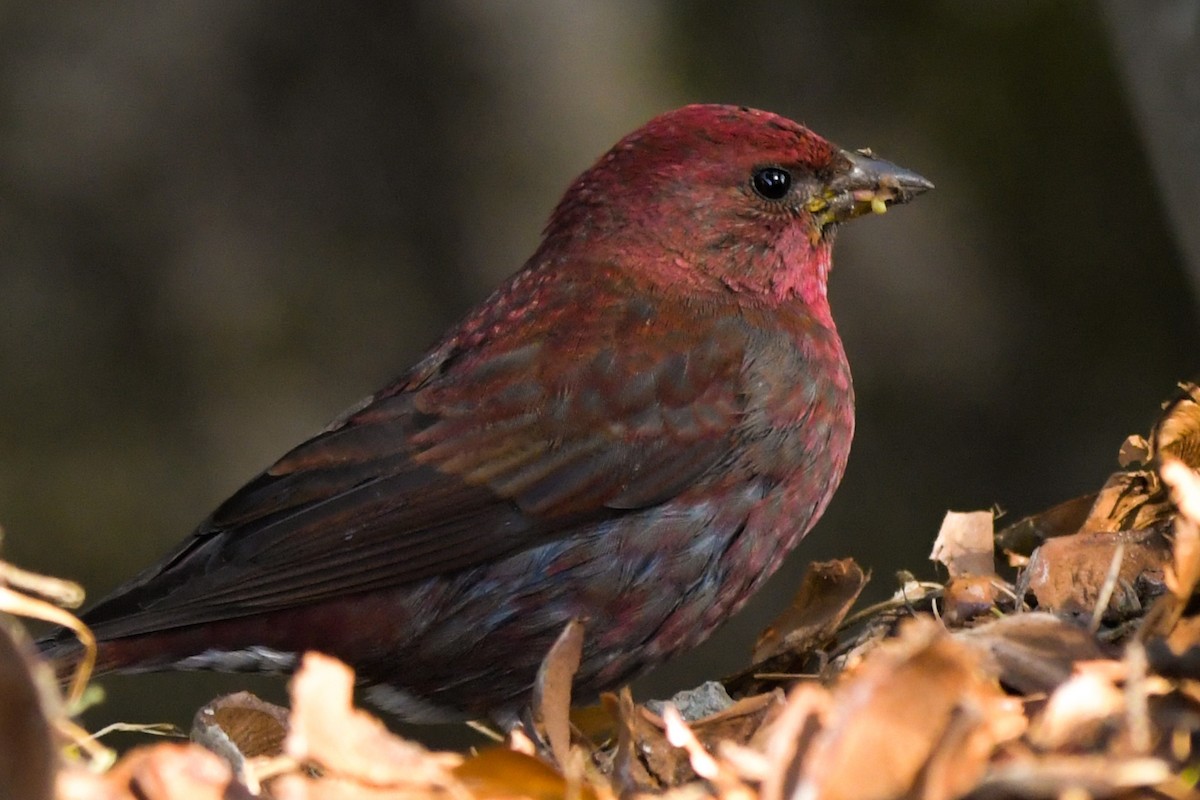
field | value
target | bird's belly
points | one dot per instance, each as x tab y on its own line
645	585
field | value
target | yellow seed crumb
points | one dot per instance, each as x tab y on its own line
878	205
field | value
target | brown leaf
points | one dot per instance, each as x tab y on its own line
787	739
1027	534
964	543
552	690
157	772
969	596
1183	573
1177	434
1135	452
1128	501
1068	574
1031	653
666	764
645	758
910	700
629	773
1086	776
827	592
1078	712
241	726
498	772
740	721
1185	491
327	730
722	776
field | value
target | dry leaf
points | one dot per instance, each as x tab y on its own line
1087	776
964	543
827	591
552	691
740	721
1027	534
728	784
969	596
787	740
241	726
159	772
629	773
895	714
327	730
1177	434
498	772
1078	712
1031	653
1068	574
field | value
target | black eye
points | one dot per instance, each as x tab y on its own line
772	183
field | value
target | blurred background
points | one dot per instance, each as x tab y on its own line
221	223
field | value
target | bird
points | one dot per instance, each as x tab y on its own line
631	432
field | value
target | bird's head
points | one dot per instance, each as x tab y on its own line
728	197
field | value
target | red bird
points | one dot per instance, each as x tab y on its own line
633	431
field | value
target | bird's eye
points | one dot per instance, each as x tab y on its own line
771	183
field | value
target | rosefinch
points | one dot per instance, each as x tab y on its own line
633	431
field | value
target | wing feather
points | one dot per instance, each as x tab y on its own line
499	444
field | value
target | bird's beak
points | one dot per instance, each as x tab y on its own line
863	184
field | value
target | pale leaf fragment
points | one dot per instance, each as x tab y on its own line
964	543
327	730
552	690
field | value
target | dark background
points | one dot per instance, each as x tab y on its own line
223	222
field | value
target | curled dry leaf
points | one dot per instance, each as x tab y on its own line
1079	712
630	775
1131	499
1166	618
968	597
552	691
1031	653
240	726
1185	488
875	720
1135	451
158	772
349	743
827	591
497	773
722	776
1068	574
1092	777
645	759
739	722
1177	434
787	740
964	543
1027	534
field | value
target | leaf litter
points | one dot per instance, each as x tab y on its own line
1077	678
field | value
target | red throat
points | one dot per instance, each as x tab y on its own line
802	272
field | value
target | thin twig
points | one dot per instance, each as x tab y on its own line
1110	585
